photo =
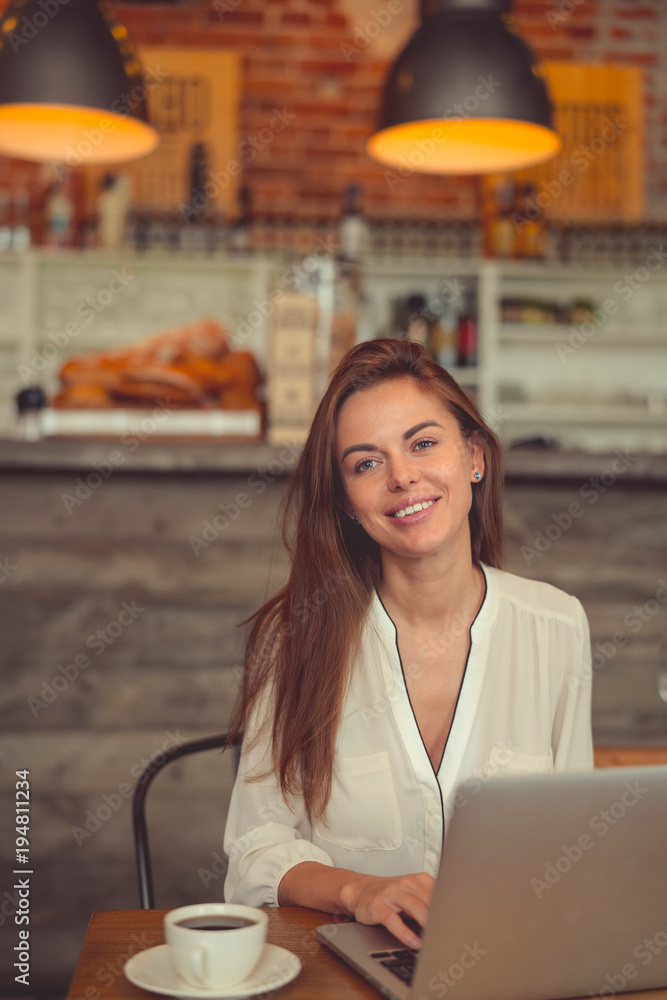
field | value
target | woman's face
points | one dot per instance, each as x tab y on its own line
399	448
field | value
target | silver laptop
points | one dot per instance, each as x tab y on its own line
549	886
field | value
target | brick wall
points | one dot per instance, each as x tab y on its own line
325	60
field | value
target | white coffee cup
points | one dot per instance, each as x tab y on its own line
215	944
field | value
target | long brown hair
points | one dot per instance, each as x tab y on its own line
303	640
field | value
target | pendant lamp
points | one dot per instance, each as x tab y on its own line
71	87
465	96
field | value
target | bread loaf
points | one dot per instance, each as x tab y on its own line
192	367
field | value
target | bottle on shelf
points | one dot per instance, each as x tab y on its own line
240	237
142	218
353	232
112	207
505	233
531	231
418	325
411	319
347	269
29	405
21	234
346	298
288	235
5	220
194	213
212	230
444	333
467	333
158	232
498	222
59	217
173	224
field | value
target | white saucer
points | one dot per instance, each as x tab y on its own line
153	970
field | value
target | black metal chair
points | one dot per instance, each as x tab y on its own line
141	845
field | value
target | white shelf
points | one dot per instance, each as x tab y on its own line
601	416
557	271
163	259
466	376
550	333
153	422
422	267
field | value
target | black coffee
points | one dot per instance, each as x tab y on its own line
220	923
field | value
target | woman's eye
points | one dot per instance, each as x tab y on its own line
426	443
365	465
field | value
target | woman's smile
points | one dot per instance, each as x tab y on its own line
408	511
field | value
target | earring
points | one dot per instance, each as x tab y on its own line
355	519
478	475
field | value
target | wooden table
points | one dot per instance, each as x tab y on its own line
115	935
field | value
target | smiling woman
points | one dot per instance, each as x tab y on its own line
419	471
423	666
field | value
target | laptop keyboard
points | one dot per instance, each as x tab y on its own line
401	962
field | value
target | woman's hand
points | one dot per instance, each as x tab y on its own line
373	899
370	899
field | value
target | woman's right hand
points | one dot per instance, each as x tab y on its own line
373	899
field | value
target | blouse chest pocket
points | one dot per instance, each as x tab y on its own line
503	760
363	812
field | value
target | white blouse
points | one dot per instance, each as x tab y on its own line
524	705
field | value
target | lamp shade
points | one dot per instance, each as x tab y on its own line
71	87
465	96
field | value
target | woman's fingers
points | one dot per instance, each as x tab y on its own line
384	900
407	937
